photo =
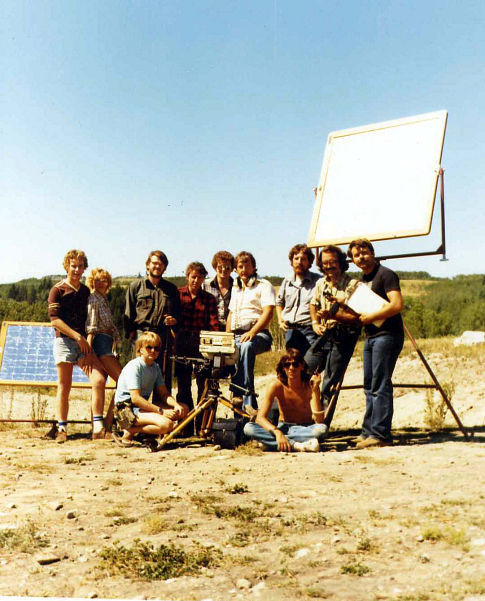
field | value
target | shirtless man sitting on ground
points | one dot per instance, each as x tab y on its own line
301	426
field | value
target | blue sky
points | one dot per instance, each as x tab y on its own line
194	126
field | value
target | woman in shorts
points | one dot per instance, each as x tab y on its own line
101	330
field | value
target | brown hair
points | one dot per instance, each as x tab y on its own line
158	253
222	255
292	354
338	252
195	266
74	254
301	248
359	243
95	273
244	255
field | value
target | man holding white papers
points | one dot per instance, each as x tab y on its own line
382	345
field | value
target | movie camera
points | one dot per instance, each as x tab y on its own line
219	355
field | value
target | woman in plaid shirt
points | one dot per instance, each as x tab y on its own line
102	334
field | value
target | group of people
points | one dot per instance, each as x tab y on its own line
320	335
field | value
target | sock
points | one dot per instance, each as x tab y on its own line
62	426
97	423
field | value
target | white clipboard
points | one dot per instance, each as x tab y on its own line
364	300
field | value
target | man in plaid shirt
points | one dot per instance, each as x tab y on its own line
198	312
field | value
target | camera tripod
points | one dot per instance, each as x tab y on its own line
207	405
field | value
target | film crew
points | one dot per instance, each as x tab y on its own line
198	312
67	310
337	327
152	305
301	426
293	300
382	345
221	285
250	312
139	378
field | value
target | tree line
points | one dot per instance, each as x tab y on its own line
446	306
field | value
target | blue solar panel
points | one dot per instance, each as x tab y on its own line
27	355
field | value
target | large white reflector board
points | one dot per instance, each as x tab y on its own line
379	181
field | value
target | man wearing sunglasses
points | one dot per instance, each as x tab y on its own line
301	415
138	379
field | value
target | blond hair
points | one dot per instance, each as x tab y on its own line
145	339
74	254
96	272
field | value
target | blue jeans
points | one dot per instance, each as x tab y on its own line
293	432
300	338
244	375
380	356
331	357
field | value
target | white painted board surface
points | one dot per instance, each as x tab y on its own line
379	181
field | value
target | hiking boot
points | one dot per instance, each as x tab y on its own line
61	436
371	443
309	446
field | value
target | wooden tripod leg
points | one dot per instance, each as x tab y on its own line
229	405
333	401
191	415
438	387
208	420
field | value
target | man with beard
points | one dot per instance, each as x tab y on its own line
293	300
382	345
152	305
337	326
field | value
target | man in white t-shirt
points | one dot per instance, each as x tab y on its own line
250	312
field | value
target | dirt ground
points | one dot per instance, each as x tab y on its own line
401	523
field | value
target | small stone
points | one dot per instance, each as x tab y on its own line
283	499
242	583
46	559
301	553
420	538
12	506
56	505
106	536
173	493
424	558
69	496
335	539
216	447
258	588
70	515
92	595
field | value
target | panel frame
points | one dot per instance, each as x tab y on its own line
315	239
48	383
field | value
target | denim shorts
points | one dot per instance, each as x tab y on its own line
66	350
103	345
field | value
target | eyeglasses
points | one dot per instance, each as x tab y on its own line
152	348
291	364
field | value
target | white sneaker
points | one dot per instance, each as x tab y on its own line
309	446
